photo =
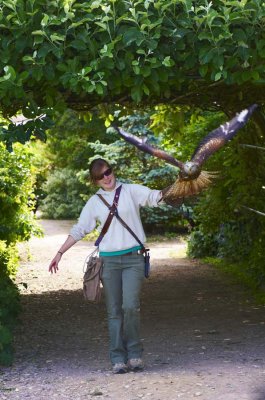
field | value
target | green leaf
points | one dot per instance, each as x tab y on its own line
190	61
28	59
180	45
5	56
146	90
37	73
163	76
86	70
78	23
168	62
136	94
208	55
141	51
246	75
55	37
49	100
103	25
24	75
41	33
95	4
218	76
44	50
62	67
204	35
240	35
146	71
136	69
44	20
90	87
203	70
261	44
255	75
120	64
99	89
132	35
78	44
10	73
243	44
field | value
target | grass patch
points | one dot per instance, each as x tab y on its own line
180	253
241	275
167	236
92	236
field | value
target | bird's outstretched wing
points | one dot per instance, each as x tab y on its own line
191	180
141	144
220	136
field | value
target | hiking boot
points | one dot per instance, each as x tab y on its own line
119	368
135	364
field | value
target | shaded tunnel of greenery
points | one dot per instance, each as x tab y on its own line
168	70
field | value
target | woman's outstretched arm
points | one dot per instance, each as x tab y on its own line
53	267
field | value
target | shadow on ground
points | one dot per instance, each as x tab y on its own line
190	316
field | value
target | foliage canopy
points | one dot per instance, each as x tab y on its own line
81	53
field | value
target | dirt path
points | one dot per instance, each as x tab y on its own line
203	337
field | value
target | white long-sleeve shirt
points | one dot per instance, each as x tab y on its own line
117	238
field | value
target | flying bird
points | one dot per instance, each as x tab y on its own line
191	180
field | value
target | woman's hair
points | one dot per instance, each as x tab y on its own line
95	168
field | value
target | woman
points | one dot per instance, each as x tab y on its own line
123	263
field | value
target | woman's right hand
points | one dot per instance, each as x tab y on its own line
53	267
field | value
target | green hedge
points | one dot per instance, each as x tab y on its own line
9	300
16	224
63	192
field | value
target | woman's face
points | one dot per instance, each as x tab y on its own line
107	180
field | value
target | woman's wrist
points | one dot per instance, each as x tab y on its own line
60	252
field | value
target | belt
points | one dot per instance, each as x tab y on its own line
132	252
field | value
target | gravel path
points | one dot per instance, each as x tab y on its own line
203	336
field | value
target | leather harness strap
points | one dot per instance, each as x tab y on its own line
112	209
115	211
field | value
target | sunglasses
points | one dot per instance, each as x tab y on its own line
108	172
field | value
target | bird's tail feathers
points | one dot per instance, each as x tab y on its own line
184	188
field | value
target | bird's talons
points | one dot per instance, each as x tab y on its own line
185	177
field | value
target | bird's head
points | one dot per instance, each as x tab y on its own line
190	171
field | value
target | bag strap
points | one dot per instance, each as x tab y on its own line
110	216
122	221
